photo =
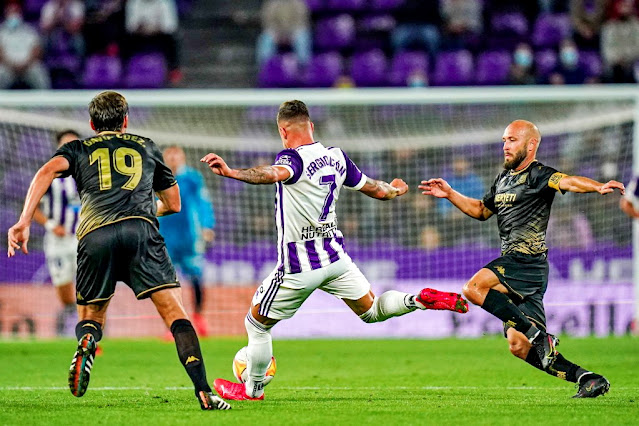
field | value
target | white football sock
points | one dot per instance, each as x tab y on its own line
390	304
259	353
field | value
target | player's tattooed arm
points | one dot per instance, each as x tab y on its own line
383	190
255	175
470	206
584	184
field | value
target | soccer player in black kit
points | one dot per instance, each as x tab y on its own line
512	286
118	176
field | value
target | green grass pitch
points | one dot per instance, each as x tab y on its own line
334	382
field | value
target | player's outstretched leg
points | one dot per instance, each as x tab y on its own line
259	354
89	334
430	298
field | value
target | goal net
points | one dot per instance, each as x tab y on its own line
406	244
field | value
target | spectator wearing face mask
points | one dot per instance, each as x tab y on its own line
522	70
61	23
620	42
20	52
568	69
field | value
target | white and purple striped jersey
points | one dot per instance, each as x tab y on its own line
61	204
308	237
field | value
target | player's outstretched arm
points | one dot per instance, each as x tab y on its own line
584	184
383	190
18	235
470	206
627	207
255	175
169	201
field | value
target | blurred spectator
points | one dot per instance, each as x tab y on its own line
417	26
284	22
152	25
417	78
20	52
61	23
462	23
586	17
568	69
568	227
522	70
104	26
467	182
620	42
344	82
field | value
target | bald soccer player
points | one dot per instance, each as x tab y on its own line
512	286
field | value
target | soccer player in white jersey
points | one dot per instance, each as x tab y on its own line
58	214
308	178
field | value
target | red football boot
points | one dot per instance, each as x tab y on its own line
234	391
439	300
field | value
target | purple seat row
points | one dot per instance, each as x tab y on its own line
143	71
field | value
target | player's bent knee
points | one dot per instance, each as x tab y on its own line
372	315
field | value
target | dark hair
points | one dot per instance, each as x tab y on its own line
107	111
290	110
59	135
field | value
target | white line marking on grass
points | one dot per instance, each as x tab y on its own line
303	388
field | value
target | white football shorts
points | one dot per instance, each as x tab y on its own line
281	294
61	254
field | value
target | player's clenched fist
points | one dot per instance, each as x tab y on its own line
216	164
436	187
400	185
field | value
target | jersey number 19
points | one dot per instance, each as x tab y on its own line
126	161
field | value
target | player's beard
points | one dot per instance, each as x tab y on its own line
517	159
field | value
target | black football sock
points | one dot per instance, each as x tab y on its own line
197	292
188	349
565	369
88	326
533	359
503	308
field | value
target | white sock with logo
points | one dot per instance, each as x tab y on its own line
259	354
389	304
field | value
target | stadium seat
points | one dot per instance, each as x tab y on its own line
346	5
280	71
386	5
146	71
591	62
102	72
323	70
550	29
507	30
493	68
368	69
453	69
64	70
316	5
545	62
406	63
335	33
32	8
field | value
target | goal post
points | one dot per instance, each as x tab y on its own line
408	243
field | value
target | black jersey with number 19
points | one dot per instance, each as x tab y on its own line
116	175
522	202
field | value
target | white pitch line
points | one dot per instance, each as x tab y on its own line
302	388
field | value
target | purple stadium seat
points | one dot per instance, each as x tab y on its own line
591	62
453	69
316	5
32	7
102	72
511	23
346	5
335	33
377	23
323	70
385	5
493	68
545	62
146	71
368	69
550	29
280	71
404	64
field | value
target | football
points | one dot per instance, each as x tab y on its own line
241	372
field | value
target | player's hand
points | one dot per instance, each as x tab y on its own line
437	187
18	235
208	235
217	164
400	186
610	186
59	231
